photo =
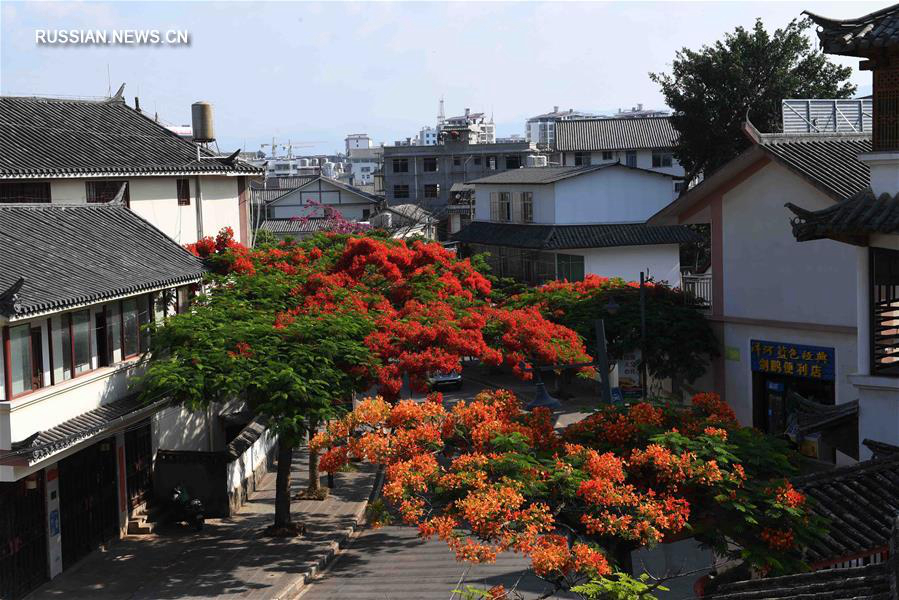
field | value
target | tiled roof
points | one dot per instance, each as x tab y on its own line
71	254
262	196
829	162
560	237
615	134
298	225
859	503
44	137
412	212
872	582
851	220
881	449
283	183
539	175
86	425
859	36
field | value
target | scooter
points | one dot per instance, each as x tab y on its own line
187	509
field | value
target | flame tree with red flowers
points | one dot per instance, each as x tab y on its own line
679	342
295	328
486	477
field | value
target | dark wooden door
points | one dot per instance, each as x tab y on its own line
139	464
23	537
88	500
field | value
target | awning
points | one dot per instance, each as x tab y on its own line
106	418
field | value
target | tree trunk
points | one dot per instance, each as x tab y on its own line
282	483
314	488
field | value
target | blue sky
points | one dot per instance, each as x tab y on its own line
313	72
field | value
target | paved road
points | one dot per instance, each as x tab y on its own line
392	563
228	559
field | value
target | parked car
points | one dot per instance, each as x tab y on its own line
453	379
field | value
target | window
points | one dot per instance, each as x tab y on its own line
457	161
884	311
80	338
106	191
679	186
631	158
607	155
20	359
183	192
513	162
429	165
505	206
477	161
401	191
130	328
24	191
661	159
400	165
581	159
366	169
570	267
527	207
491	163
432	190
366	214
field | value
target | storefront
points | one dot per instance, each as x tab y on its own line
780	372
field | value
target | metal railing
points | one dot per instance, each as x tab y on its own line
697	290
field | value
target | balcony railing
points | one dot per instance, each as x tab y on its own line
697	290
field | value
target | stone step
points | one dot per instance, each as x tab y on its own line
140	527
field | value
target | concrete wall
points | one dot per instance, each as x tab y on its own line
661	261
738	373
544	201
767	274
244	473
156	200
612	195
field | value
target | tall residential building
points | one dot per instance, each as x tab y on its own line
427	136
541	129
479	126
356	141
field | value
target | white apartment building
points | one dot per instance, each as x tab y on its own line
543	223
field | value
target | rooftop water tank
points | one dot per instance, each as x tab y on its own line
202	121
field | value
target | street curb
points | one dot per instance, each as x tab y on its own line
334	546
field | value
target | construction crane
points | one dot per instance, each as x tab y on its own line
289	146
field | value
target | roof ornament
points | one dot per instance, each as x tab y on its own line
229	160
9	300
119	95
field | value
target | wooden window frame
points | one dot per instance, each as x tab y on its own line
183	184
20	199
122	328
90	343
90	194
7	359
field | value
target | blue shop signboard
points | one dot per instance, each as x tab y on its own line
794	360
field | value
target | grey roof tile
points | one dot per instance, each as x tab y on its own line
615	134
298	225
561	237
70	254
871	582
861	35
851	220
538	175
45	137
829	162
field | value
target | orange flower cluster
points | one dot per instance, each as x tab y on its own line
789	496
778	539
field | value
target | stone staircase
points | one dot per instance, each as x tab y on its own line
145	518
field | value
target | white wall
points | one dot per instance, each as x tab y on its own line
738	373
767	273
543	197
611	195
249	461
156	200
295	203
661	261
644	161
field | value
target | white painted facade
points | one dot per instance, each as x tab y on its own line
302	202
612	195
661	262
662	161
156	200
775	289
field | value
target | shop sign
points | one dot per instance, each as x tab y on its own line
629	376
793	360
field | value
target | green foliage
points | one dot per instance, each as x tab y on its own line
679	341
619	586
747	73
264	237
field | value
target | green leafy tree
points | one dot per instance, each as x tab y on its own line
747	74
679	340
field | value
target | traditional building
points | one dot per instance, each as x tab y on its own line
544	223
868	219
646	143
78	151
784	313
77	282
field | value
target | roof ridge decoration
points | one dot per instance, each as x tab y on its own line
859	36
9	299
852	220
